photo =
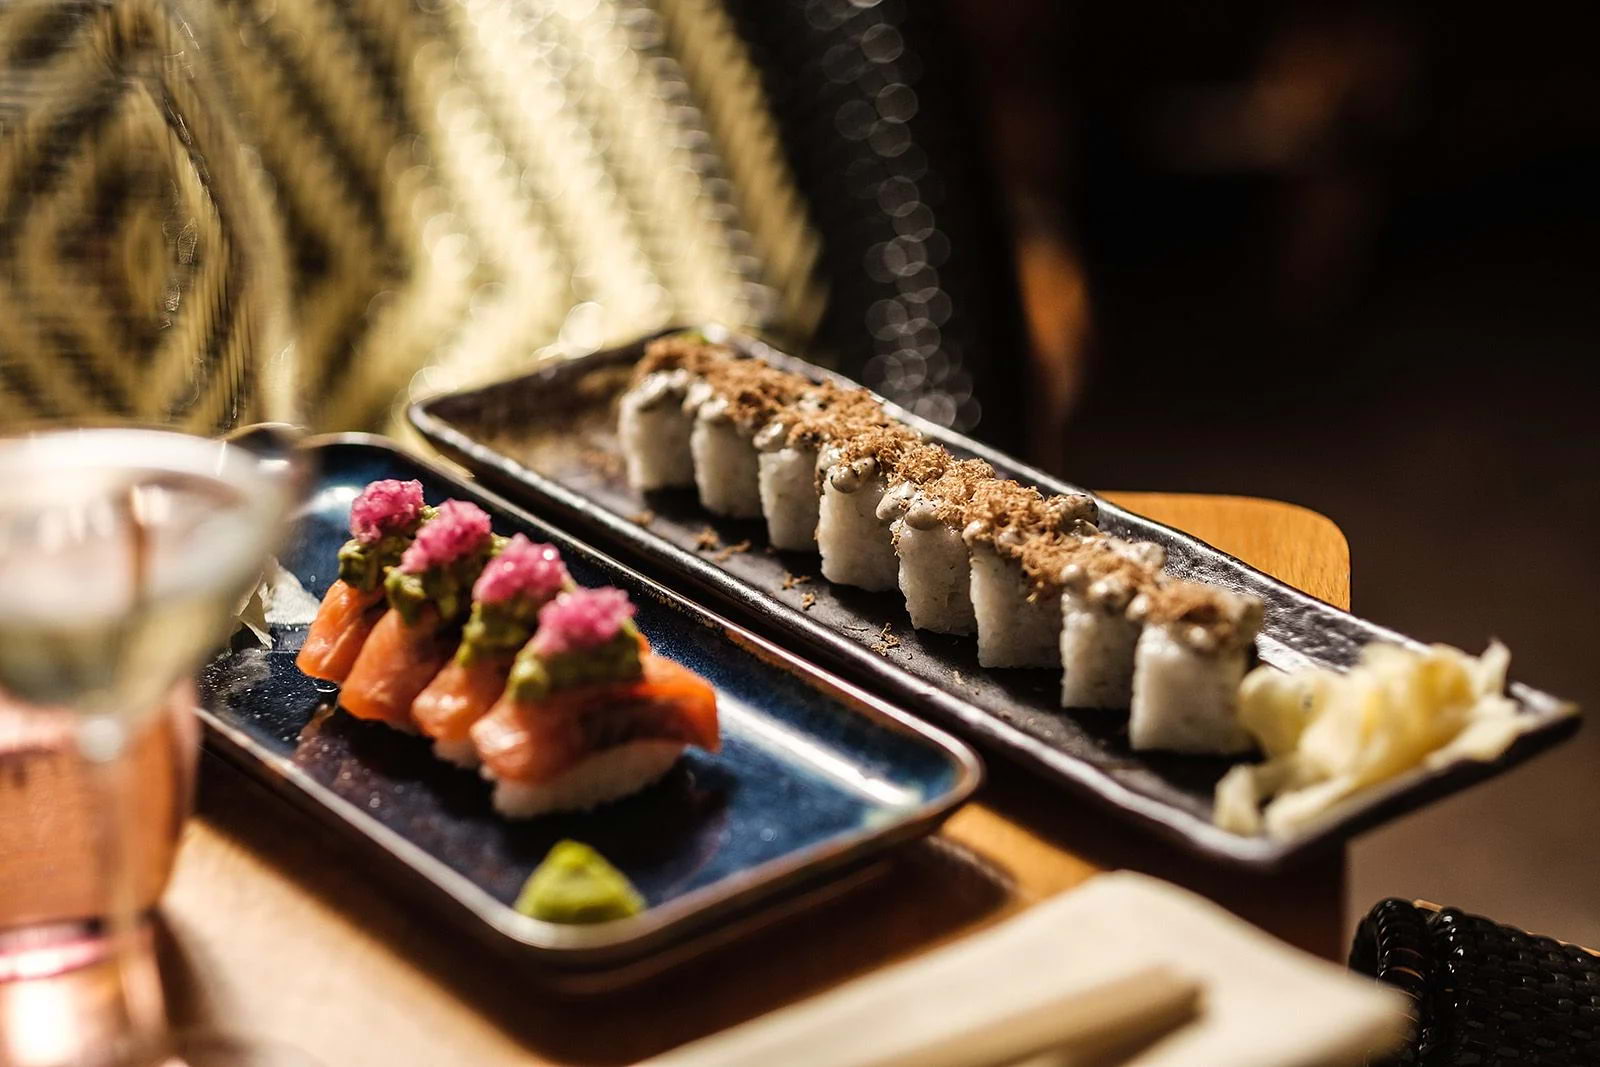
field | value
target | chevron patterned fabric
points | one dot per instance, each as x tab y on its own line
449	191
135	282
464	187
470	186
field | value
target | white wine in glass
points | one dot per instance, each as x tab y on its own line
143	299
123	556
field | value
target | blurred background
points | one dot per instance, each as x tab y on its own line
1338	254
1342	255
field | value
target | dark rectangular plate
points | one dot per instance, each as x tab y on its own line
815	777
549	437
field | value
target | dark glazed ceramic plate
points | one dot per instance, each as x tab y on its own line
549	437
815	778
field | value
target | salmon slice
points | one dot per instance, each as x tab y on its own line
344	621
396	664
459	696
535	741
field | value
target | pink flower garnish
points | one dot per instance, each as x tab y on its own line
384	507
460	528
522	568
581	619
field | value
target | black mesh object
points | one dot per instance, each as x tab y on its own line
1485	994
879	129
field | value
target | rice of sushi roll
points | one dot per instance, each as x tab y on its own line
786	482
731	402
589	715
1188	664
935	566
608	775
654	430
856	544
788	448
1097	636
653	423
725	464
1018	615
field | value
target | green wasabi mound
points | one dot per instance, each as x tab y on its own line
575	884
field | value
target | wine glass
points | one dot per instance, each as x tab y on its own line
143	312
123	555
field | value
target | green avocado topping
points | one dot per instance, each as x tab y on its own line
498	629
447	588
575	884
533	677
364	565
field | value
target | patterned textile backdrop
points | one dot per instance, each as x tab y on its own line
139	274
468	186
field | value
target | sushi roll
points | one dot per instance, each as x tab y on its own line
653	421
935	567
856	545
383	522
1018	614
589	715
654	431
1097	636
786	483
506	599
731	402
1188	664
788	448
429	597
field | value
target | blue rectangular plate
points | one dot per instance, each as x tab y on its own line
549	437
815	778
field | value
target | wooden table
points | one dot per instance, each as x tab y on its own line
269	931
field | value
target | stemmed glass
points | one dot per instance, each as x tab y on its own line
123	554
143	313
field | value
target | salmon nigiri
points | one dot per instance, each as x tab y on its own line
589	714
383	523
506	600
428	594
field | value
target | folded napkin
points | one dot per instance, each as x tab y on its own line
1124	970
278	598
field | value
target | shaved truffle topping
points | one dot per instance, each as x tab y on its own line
459	529
1004	514
1204	617
688	351
385	507
821	412
746	392
783	408
848	463
941	500
921	462
522	569
579	620
659	389
1106	571
846	413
